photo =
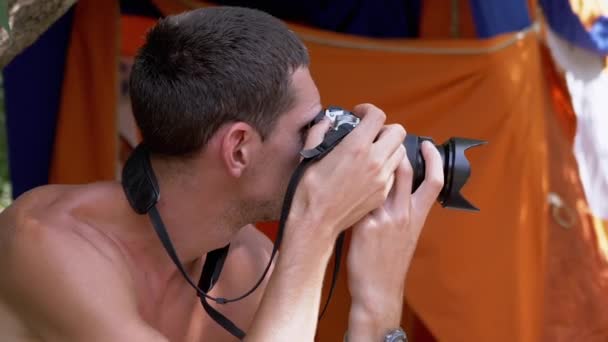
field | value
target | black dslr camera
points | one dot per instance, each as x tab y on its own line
456	168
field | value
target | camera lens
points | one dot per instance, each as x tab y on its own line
456	168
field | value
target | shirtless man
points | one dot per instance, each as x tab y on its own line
223	97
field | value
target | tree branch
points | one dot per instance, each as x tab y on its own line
28	20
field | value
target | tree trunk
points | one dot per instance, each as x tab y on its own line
28	19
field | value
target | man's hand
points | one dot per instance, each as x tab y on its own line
382	247
354	178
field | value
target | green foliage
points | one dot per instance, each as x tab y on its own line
4	15
5	181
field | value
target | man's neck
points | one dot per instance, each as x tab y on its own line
197	214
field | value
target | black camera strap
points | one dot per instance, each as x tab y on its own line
142	191
212	268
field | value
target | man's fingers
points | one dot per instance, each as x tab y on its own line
389	170
316	133
372	121
391	137
428	191
393	161
402	188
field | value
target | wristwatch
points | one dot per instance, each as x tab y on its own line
396	335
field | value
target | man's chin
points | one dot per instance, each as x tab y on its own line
270	218
268	212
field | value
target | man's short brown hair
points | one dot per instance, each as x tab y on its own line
206	67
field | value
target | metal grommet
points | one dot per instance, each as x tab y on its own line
562	214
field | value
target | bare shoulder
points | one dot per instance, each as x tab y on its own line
252	242
249	255
24	211
42	223
59	274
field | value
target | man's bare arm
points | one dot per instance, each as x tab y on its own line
323	206
290	307
67	289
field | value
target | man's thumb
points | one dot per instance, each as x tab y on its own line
316	133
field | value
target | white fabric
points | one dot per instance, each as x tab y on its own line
587	80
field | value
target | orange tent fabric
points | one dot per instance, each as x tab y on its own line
497	275
441	20
85	147
531	266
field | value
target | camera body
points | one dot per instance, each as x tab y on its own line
456	167
338	117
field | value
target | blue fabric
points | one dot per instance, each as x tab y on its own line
32	84
495	17
565	23
599	35
389	18
370	18
144	8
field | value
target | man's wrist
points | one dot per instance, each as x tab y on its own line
371	323
306	225
307	238
395	335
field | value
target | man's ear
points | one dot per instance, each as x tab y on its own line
239	145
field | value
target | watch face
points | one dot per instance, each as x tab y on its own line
396	336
